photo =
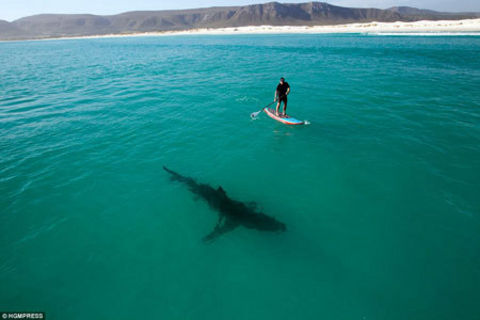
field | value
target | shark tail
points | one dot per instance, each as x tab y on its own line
176	176
173	173
168	170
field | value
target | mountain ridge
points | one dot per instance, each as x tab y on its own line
271	13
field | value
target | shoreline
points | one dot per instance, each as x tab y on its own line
423	27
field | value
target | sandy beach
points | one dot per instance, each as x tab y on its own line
443	26
426	27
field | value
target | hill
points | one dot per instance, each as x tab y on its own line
273	13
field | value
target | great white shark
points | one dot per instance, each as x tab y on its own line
231	213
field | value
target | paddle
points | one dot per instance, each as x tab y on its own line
253	115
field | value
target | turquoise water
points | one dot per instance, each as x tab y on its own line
380	193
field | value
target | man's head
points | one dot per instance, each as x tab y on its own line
282	80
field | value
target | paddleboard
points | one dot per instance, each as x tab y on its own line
283	119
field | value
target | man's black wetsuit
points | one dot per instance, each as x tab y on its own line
282	91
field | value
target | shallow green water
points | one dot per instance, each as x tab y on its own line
380	193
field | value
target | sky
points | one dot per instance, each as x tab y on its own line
14	9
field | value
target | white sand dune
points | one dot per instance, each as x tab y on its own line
468	26
425	27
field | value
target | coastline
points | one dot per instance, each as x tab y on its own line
423	27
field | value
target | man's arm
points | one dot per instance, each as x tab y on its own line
275	96
288	91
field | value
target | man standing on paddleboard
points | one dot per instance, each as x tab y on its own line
283	89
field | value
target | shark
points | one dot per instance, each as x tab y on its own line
231	213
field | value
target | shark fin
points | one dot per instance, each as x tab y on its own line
220	229
220	189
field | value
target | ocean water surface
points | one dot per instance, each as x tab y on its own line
380	193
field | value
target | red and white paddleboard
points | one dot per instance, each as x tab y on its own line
283	119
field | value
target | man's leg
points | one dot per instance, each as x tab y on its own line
284	107
278	107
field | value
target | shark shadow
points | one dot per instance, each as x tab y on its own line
232	213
